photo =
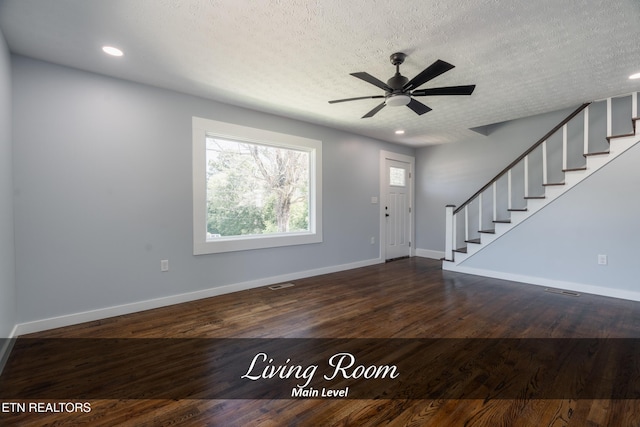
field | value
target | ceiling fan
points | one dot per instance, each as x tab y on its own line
399	90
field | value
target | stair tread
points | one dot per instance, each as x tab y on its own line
535	197
583	168
609	138
597	153
490	231
548	184
461	250
517	210
476	241
502	221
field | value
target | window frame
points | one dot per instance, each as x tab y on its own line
203	128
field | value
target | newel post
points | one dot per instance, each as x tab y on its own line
449	233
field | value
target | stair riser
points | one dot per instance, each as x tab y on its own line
597	162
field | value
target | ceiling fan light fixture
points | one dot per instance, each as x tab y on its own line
397	100
400	132
634	76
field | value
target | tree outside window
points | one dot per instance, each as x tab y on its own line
255	189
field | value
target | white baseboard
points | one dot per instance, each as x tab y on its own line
428	253
549	283
103	313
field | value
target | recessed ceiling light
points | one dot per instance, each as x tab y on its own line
113	51
635	76
399	132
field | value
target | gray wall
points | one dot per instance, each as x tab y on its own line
7	253
102	171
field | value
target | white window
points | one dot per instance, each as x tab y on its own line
254	188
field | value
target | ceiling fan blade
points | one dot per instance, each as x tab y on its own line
370	79
374	111
355	99
432	71
418	107
451	90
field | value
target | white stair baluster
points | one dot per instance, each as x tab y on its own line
495	200
544	163
509	190
449	231
455	233
480	212
586	131
466	223
609	120
564	147
526	176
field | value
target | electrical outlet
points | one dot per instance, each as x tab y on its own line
164	265
602	260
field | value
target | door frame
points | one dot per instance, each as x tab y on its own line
384	155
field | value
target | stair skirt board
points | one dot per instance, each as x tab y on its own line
546	282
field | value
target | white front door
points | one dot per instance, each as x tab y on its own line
397	209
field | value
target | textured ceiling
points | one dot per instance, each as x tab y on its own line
289	57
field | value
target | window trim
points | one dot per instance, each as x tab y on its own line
205	127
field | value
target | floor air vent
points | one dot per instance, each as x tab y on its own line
562	292
281	286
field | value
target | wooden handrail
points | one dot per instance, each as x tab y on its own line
523	155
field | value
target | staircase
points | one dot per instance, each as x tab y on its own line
543	173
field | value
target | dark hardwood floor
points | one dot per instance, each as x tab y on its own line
410	299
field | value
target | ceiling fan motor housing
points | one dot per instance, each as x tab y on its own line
397	82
